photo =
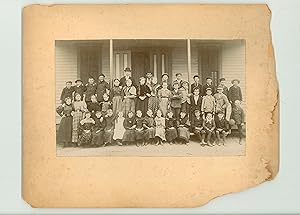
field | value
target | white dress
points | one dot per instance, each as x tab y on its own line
119	128
160	128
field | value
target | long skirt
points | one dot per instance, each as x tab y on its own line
117	104
119	131
65	130
128	105
139	134
149	134
108	135
184	133
153	104
171	134
163	106
129	136
97	138
160	132
77	117
142	105
86	138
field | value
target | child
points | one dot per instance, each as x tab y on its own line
109	129
143	93
93	106
129	125
153	103
102	88
86	126
235	92
116	94
105	104
164	96
209	127
160	128
149	126
225	88
78	89
209	84
208	103
183	129
171	125
129	97
90	89
221	100
196	84
79	107
238	116
65	127
139	129
67	92
119	128
222	127
98	131
196	101
176	100
197	125
185	97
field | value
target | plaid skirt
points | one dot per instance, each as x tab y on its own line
77	117
128	105
153	104
163	106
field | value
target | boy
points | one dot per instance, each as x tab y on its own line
221	100
102	88
171	125
238	116
139	129
78	89
67	92
225	88
235	92
183	129
196	84
197	125
208	129
196	101
208	85
98	131
149	126
176	100
208	103
222	127
109	129
90	89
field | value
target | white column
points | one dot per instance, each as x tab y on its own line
162	64
155	65
189	60
111	61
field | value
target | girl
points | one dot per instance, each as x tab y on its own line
119	128
222	127
105	104
183	129
176	100
79	107
153	103
65	126
116	94
164	96
129	125
209	127
143	93
93	106
171	125
149	126
139	129
160	128
129	97
197	125
98	131
109	129
86	126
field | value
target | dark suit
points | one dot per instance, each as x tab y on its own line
205	86
196	85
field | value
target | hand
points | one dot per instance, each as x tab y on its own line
72	113
242	124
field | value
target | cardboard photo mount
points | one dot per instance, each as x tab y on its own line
51	181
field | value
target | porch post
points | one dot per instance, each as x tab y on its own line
111	62
189	60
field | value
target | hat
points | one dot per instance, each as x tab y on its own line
222	79
102	75
207	89
208	78
220	88
127	69
178	74
78	80
164	75
235	80
68	82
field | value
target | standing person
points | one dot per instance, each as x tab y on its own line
127	75
160	124
164	98
208	103
67	92
93	106
153	102
235	92
139	129
119	128
130	94
197	125
223	85
78	89
178	79
109	128
222	127
143	94
149	126
129	125
98	130
176	100
65	126
185	97
221	100
102	88
209	127
209	84
196	101
171	128
196	84
116	94
165	78
86	126
79	108
90	89
149	79
183	129
238	116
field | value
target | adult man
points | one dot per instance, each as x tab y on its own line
208	85
196	84
225	88
127	75
102	87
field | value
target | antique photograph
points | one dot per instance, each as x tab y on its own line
150	97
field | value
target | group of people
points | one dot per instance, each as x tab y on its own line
148	112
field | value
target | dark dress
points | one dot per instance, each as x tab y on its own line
90	89
65	127
79	90
183	129
105	105
171	131
142	105
149	126
139	130
93	107
123	81
109	129
85	127
129	135
117	104
102	87
66	92
98	131
234	93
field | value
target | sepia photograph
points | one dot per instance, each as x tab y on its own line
150	97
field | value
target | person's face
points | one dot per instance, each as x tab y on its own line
127	73
154	80
87	115
101	78
130	114
149	113
105	97
196	79
78	97
68	101
176	86
185	86
219	90
148	75
209	116
69	85
159	114
116	83
235	83
196	92
120	114
197	113
208	92
91	80
178	77
78	83
222	82
237	103
209	81
98	114
139	113
93	99
109	112
142	81
170	114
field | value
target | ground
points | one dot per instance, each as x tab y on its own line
231	148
